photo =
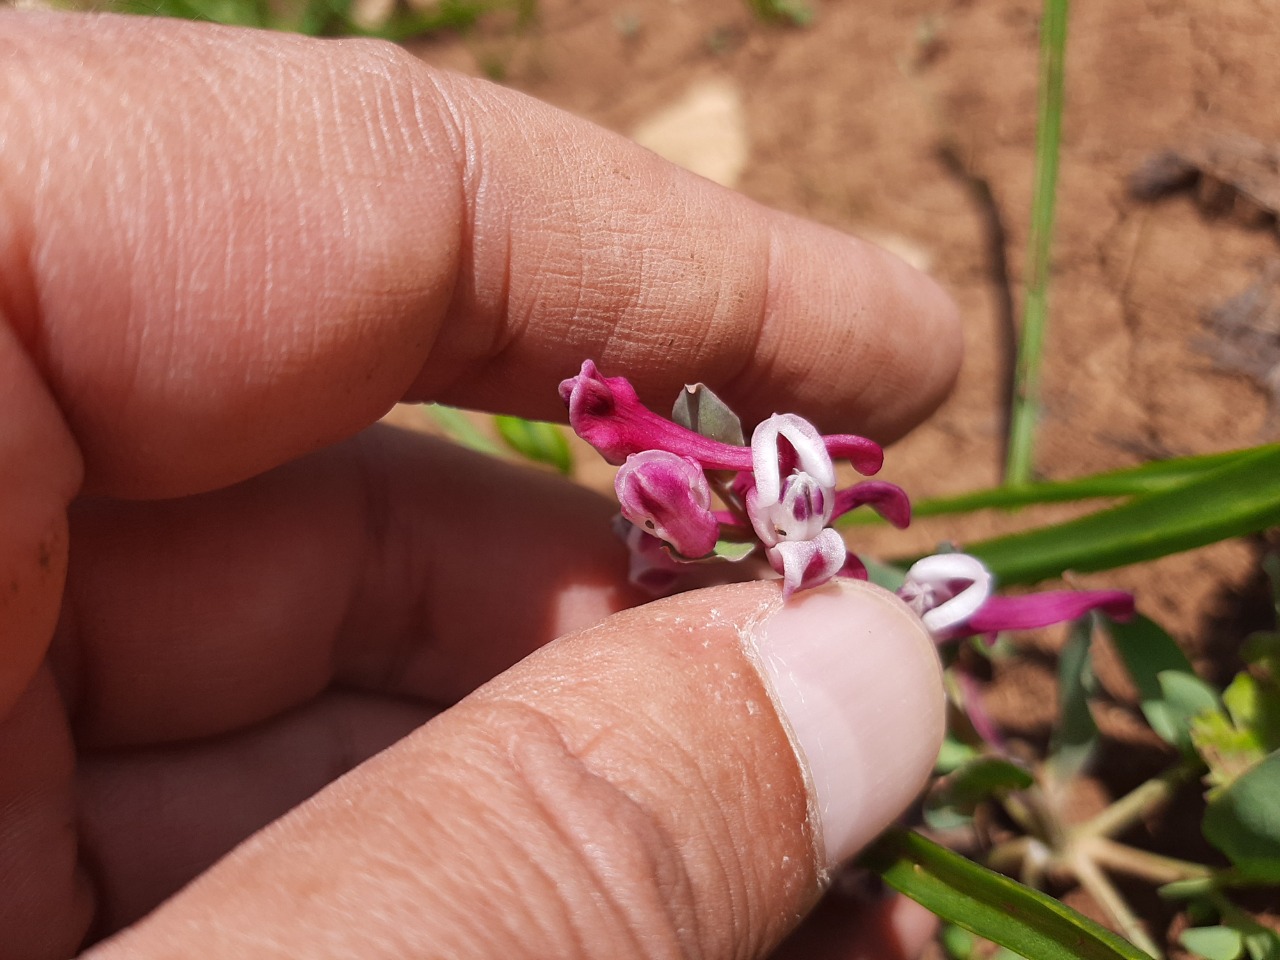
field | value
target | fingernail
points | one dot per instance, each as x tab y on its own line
857	680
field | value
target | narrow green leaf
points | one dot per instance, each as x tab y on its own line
1147	651
978	780
1240	498
699	409
458	428
1076	734
1026	377
1213	943
1154	477
992	906
1243	821
536	440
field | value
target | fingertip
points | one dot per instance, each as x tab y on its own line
856	679
864	338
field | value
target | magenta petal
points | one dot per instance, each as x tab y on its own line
866	455
853	568
887	499
1044	609
607	413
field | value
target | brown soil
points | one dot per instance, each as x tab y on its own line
913	122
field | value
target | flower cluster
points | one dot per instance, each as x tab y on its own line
778	496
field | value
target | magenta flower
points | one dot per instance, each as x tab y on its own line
794	491
952	594
779	494
668	496
607	413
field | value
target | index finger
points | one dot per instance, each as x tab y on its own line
261	254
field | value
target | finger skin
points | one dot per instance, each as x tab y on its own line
392	563
46	901
202	279
218	273
628	791
152	819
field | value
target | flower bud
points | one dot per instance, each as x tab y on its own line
668	496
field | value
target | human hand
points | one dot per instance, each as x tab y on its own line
223	255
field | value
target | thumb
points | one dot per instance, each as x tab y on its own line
674	781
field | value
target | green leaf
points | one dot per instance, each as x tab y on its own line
1184	698
1154	477
1254	706
1226	749
990	905
1147	651
975	781
699	409
952	755
1076	735
1243	820
733	550
536	440
1260	943
1239	498
459	428
1213	943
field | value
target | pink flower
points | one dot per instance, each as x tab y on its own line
952	594
668	496
608	414
795	481
785	484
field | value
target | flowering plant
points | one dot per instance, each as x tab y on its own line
778	497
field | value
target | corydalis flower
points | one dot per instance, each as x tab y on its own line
952	594
607	413
780	492
668	496
792	497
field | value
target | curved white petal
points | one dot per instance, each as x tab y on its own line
935	577
808	563
811	453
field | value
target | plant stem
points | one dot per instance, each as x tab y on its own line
1108	897
1026	377
1135	804
1140	863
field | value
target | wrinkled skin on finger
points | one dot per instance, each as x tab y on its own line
202	280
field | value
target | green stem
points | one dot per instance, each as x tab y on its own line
1026	382
1108	897
1136	804
1140	863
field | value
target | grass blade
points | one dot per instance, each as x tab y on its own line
960	891
1240	498
536	440
1026	382
460	430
